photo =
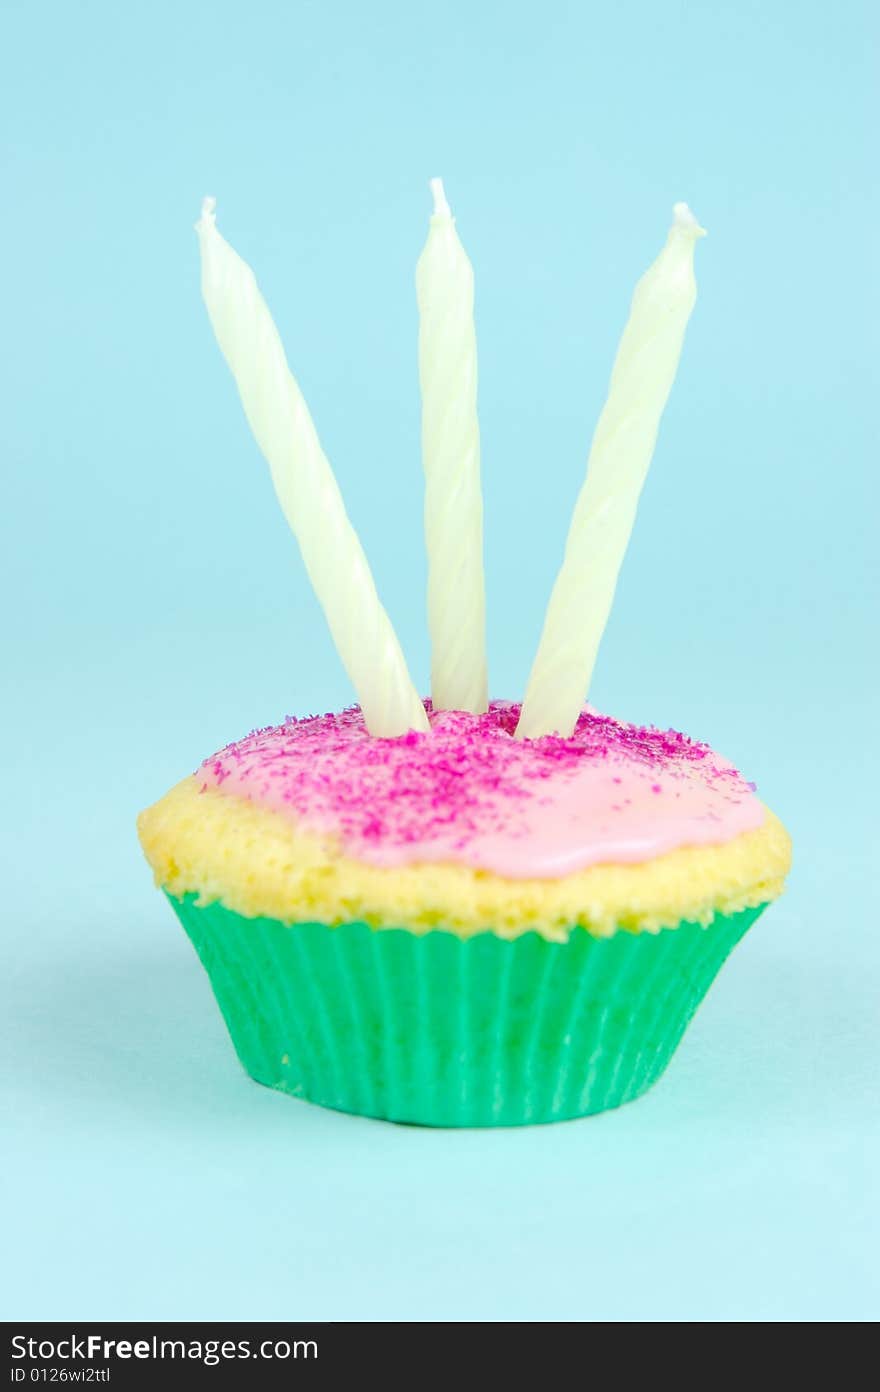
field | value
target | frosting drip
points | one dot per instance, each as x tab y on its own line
469	793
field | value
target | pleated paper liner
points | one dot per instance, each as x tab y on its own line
443	1031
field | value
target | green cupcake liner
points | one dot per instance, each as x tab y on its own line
443	1031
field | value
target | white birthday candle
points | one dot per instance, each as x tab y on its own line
306	488
451	458
603	517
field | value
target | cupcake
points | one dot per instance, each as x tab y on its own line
452	912
459	927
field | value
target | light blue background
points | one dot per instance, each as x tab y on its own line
156	607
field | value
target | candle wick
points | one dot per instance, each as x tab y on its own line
441	207
686	222
209	205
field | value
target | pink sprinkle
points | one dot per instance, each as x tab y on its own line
468	790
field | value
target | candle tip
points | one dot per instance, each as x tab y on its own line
209	205
441	207
686	222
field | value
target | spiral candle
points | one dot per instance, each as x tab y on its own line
603	517
306	487
451	457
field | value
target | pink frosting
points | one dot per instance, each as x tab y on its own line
469	793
